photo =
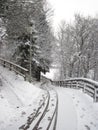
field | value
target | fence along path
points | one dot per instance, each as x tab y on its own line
87	85
16	68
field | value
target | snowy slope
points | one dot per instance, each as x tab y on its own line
17	99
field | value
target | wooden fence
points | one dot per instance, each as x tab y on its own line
88	86
16	68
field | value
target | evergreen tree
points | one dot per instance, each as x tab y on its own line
21	16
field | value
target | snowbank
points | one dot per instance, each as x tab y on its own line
17	98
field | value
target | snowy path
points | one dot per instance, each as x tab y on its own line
67	117
76	110
19	99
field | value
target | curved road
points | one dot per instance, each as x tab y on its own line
67	116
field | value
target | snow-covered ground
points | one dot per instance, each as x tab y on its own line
76	110
19	99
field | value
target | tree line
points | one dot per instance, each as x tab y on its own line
78	48
26	26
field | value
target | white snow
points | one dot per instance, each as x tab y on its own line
19	98
27	43
67	117
52	74
76	111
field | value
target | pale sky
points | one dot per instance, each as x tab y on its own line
65	9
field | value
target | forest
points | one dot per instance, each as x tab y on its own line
27	38
77	48
25	34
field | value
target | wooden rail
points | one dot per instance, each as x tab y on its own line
16	68
88	86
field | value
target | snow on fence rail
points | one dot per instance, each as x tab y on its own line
89	86
16	68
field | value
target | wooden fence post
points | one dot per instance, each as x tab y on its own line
76	84
4	64
25	78
10	67
84	86
95	94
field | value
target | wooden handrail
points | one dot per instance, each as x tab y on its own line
16	68
87	85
